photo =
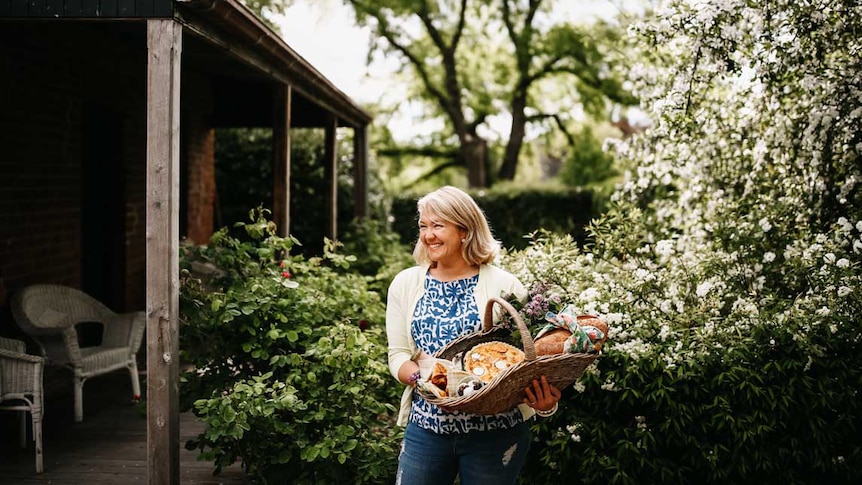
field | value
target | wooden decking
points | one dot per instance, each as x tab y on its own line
109	447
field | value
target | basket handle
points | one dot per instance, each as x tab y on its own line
526	338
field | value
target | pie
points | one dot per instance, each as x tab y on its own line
489	359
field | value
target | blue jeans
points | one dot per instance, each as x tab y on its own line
480	457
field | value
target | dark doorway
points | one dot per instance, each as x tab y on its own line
103	225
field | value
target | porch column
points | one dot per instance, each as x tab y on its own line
281	159
360	171
330	173
164	46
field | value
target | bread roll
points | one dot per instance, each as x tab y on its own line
552	342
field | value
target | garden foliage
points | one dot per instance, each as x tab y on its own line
587	164
286	361
244	175
729	263
379	252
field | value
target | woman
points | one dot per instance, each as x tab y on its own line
430	305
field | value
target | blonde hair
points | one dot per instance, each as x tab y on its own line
456	207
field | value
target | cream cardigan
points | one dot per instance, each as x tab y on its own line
404	293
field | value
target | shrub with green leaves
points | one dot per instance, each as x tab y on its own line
729	264
379	252
587	164
286	361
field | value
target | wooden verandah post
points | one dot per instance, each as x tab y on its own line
164	51
360	171
281	159
330	171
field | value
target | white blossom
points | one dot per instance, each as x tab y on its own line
703	288
588	295
664	248
664	333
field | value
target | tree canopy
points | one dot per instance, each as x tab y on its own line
476	59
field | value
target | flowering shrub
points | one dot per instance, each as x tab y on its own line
286	361
728	265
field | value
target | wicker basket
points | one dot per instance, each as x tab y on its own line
506	390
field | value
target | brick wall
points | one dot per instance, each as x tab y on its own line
199	156
45	83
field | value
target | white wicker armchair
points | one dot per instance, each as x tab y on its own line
21	389
49	314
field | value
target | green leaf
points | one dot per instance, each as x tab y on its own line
229	415
350	445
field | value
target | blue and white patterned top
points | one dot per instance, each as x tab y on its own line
446	311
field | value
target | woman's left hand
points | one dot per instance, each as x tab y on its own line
541	396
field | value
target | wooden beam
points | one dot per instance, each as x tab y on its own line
281	159
164	46
277	62
330	174
360	171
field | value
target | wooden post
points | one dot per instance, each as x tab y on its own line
330	159
281	159
164	46
360	171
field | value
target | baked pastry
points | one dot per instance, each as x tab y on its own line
488	359
439	377
551	342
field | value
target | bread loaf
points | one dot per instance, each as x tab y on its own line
551	342
592	321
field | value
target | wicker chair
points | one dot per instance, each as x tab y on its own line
21	389
50	313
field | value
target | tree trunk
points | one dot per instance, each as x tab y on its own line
516	138
474	152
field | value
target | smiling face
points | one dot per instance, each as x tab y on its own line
441	239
